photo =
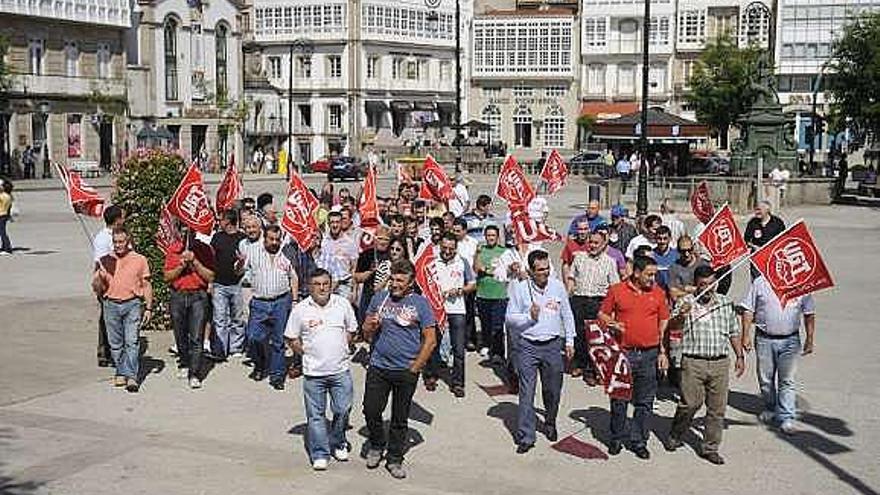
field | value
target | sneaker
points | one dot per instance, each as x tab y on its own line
119	381
767	417
237	355
374	458
131	385
396	470
340	455
320	465
788	427
195	383
484	352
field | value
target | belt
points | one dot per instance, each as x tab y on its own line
704	358
271	299
774	337
594	298
541	342
120	301
641	349
189	291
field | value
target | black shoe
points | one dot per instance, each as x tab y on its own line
522	448
277	385
713	457
642	453
458	391
672	444
257	375
614	447
104	363
471	347
551	433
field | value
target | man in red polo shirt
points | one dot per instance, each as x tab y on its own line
636	309
189	268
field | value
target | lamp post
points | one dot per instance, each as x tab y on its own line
304	47
434	18
642	193
44	109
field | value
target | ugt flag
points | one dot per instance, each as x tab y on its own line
426	278
299	212
722	239
610	361
190	203
792	265
555	172
528	230
701	203
83	198
230	189
166	233
436	185
513	185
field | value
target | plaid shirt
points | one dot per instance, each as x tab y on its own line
708	328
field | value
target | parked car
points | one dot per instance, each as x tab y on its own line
345	167
589	163
320	166
699	165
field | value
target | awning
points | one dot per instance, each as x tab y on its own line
401	105
426	106
447	107
603	110
375	106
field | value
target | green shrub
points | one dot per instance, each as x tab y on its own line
144	183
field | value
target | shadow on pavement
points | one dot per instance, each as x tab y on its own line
507	413
814	445
149	364
413	439
8	484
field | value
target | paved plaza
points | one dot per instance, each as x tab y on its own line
65	429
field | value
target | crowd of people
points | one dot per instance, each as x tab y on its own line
250	293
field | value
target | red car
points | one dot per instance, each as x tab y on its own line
321	165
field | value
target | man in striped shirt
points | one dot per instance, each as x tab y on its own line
275	285
709	324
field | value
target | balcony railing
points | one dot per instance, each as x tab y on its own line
66	85
626	46
105	12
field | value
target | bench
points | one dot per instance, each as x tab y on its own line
87	168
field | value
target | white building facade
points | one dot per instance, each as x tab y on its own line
524	81
365	72
185	76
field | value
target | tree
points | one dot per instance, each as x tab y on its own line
855	83
722	84
584	128
144	184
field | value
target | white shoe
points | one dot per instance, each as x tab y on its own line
340	455
788	427
195	383
320	465
484	352
5	253
236	355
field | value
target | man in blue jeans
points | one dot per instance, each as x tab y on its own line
275	284
320	328
228	335
777	348
456	279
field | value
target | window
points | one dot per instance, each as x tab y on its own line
491	92
687	71
626	77
521	91
305	115
522	127
36	52
220	62
274	67
595	31
659	34
74	136
596	79
170	59
373	67
412	69
334	64
554	91
755	25
692	26
397	68
525	46
554	128
104	58
492	116
445	70
197	47
304	67
71	59
657	79
334	120
275	21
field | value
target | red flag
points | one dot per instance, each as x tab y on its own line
701	203
83	199
190	203
368	206
436	185
403	177
166	233
367	238
792	264
299	212
513	185
610	361
528	230
555	172
230	189
426	278
722	238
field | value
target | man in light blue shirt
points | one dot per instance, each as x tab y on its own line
539	318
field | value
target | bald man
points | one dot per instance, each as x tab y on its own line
591	216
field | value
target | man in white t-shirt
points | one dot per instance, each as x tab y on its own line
320	329
467	249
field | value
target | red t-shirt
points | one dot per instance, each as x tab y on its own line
640	312
189	279
572	247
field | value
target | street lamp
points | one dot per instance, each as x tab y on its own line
44	108
642	196
304	47
434	19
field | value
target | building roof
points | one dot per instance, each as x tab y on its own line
655	117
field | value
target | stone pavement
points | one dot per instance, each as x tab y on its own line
64	429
